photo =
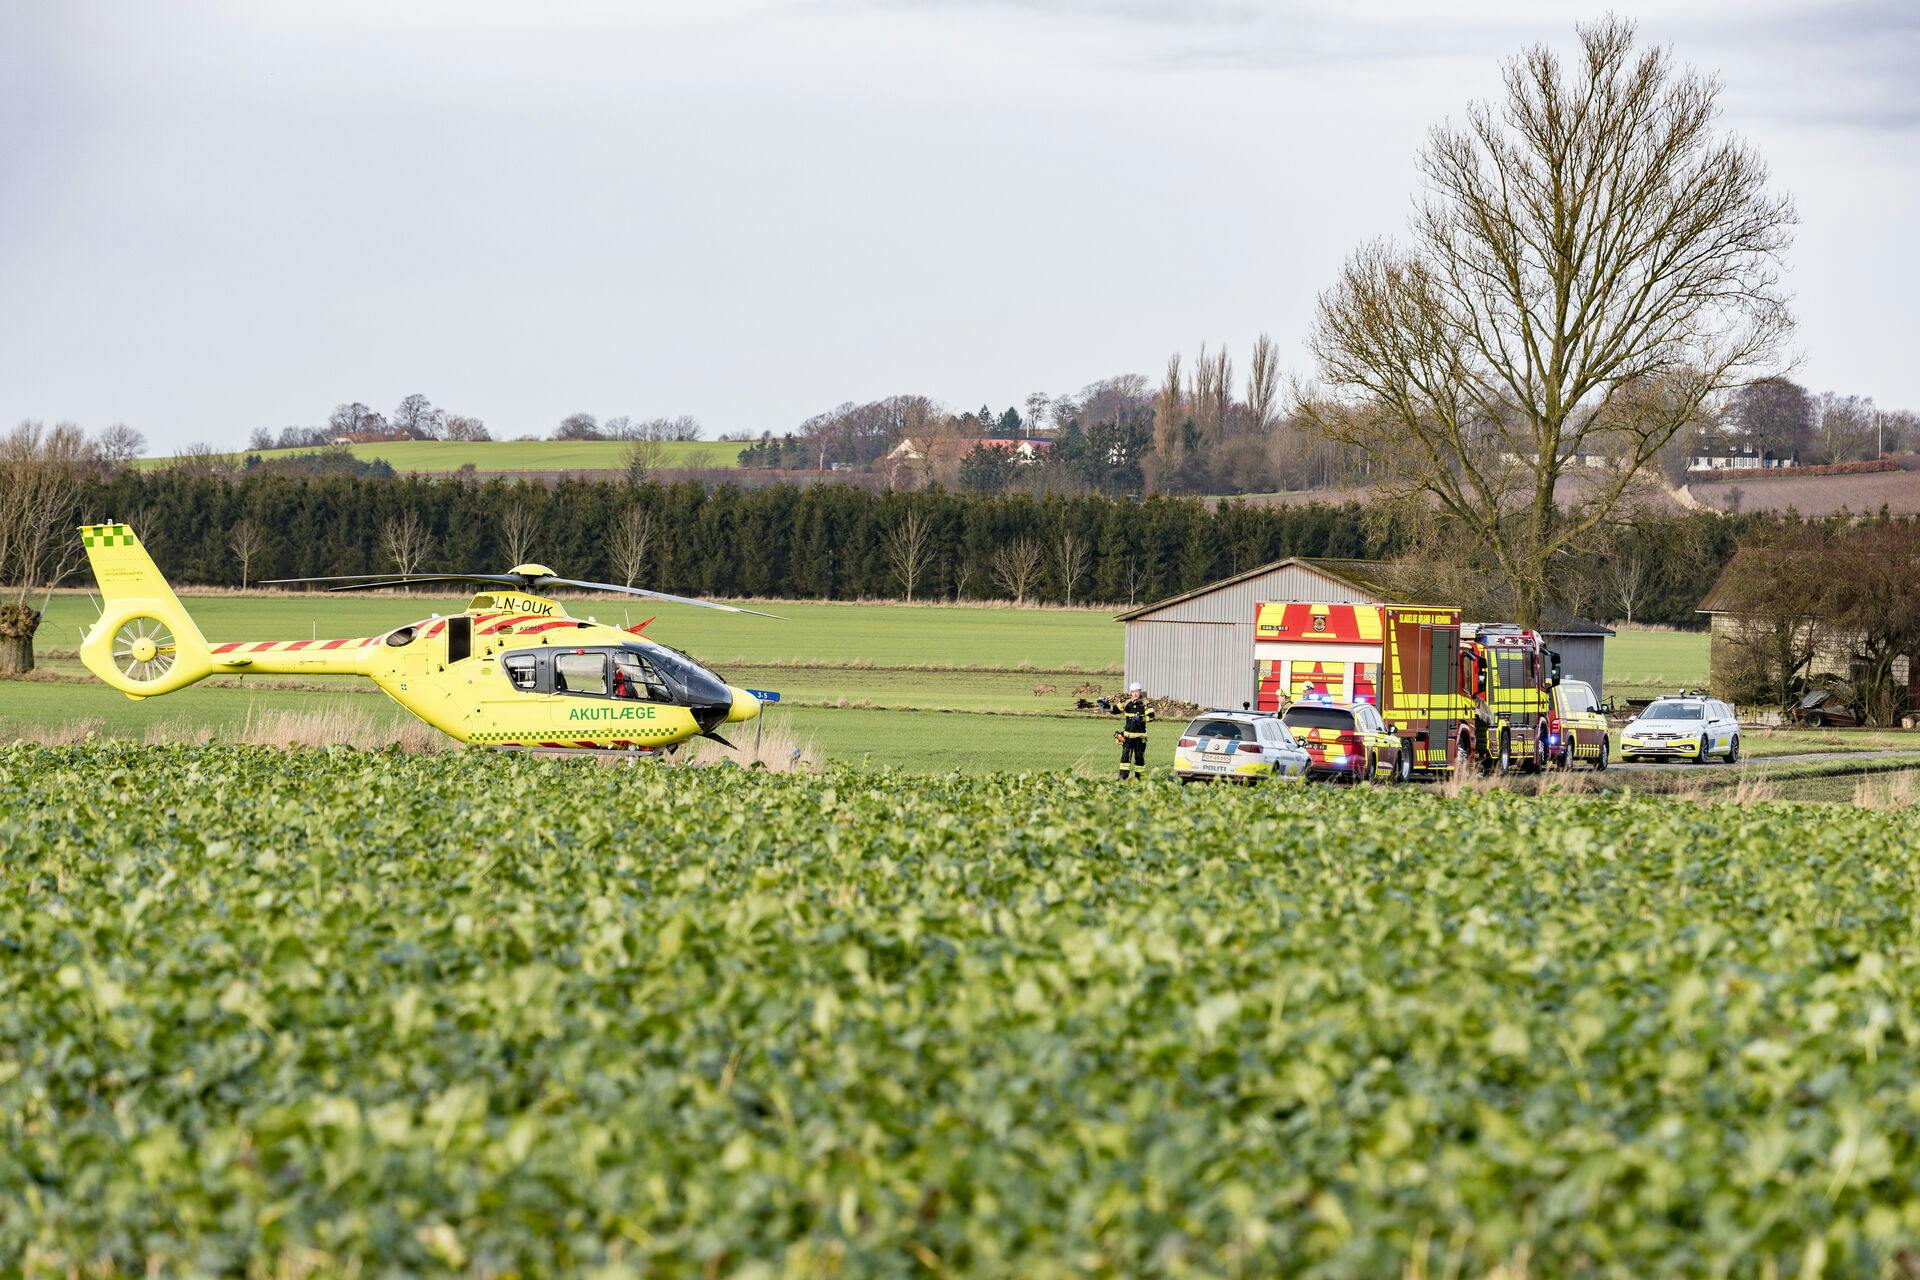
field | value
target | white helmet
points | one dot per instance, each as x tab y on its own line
1136	687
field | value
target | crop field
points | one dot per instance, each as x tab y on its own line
434	456
329	1012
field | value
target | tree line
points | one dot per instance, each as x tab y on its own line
831	542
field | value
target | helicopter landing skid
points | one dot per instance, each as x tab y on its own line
608	755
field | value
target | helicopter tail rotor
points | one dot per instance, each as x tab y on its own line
144	644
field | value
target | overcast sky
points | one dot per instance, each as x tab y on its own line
221	216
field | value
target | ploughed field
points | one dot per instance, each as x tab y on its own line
334	1012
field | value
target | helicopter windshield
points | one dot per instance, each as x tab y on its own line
635	677
689	683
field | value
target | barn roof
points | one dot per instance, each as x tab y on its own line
1717	600
1369	577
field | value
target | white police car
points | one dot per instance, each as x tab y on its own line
1238	746
1683	728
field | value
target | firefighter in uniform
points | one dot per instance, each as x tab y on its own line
1138	714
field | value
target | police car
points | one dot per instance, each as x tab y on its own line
1349	740
1238	746
1682	728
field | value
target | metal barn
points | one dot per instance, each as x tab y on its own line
1198	646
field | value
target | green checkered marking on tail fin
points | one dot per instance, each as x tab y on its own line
106	535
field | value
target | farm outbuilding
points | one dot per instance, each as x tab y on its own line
1743	654
1198	646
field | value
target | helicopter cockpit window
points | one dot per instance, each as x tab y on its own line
523	669
634	677
584	672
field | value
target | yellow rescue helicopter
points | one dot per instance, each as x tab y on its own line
512	670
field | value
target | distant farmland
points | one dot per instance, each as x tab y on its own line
432	456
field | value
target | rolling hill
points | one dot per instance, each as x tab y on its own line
441	456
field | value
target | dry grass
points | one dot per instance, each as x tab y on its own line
176	735
1569	782
1471	781
1750	789
341	726
58	735
47	675
776	749
332	727
1894	792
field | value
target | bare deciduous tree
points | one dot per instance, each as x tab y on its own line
519	526
1071	558
578	426
1039	404
1016	567
347	419
1263	384
200	460
462	427
417	416
41	473
1169	408
246	542
1846	431
120	444
909	551
1591	264
406	540
1803	596
643	456
632	541
1211	392
1627	569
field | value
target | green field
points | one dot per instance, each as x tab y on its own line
925	688
434	456
812	632
881	635
1645	663
330	1013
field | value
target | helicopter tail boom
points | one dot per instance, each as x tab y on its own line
144	643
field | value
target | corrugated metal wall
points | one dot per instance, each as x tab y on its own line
1582	658
1209	663
1200	649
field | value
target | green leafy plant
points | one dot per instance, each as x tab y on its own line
334	1012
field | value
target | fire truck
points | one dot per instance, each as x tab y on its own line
1510	674
1457	694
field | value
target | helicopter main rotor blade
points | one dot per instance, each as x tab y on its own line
423	580
541	583
395	579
